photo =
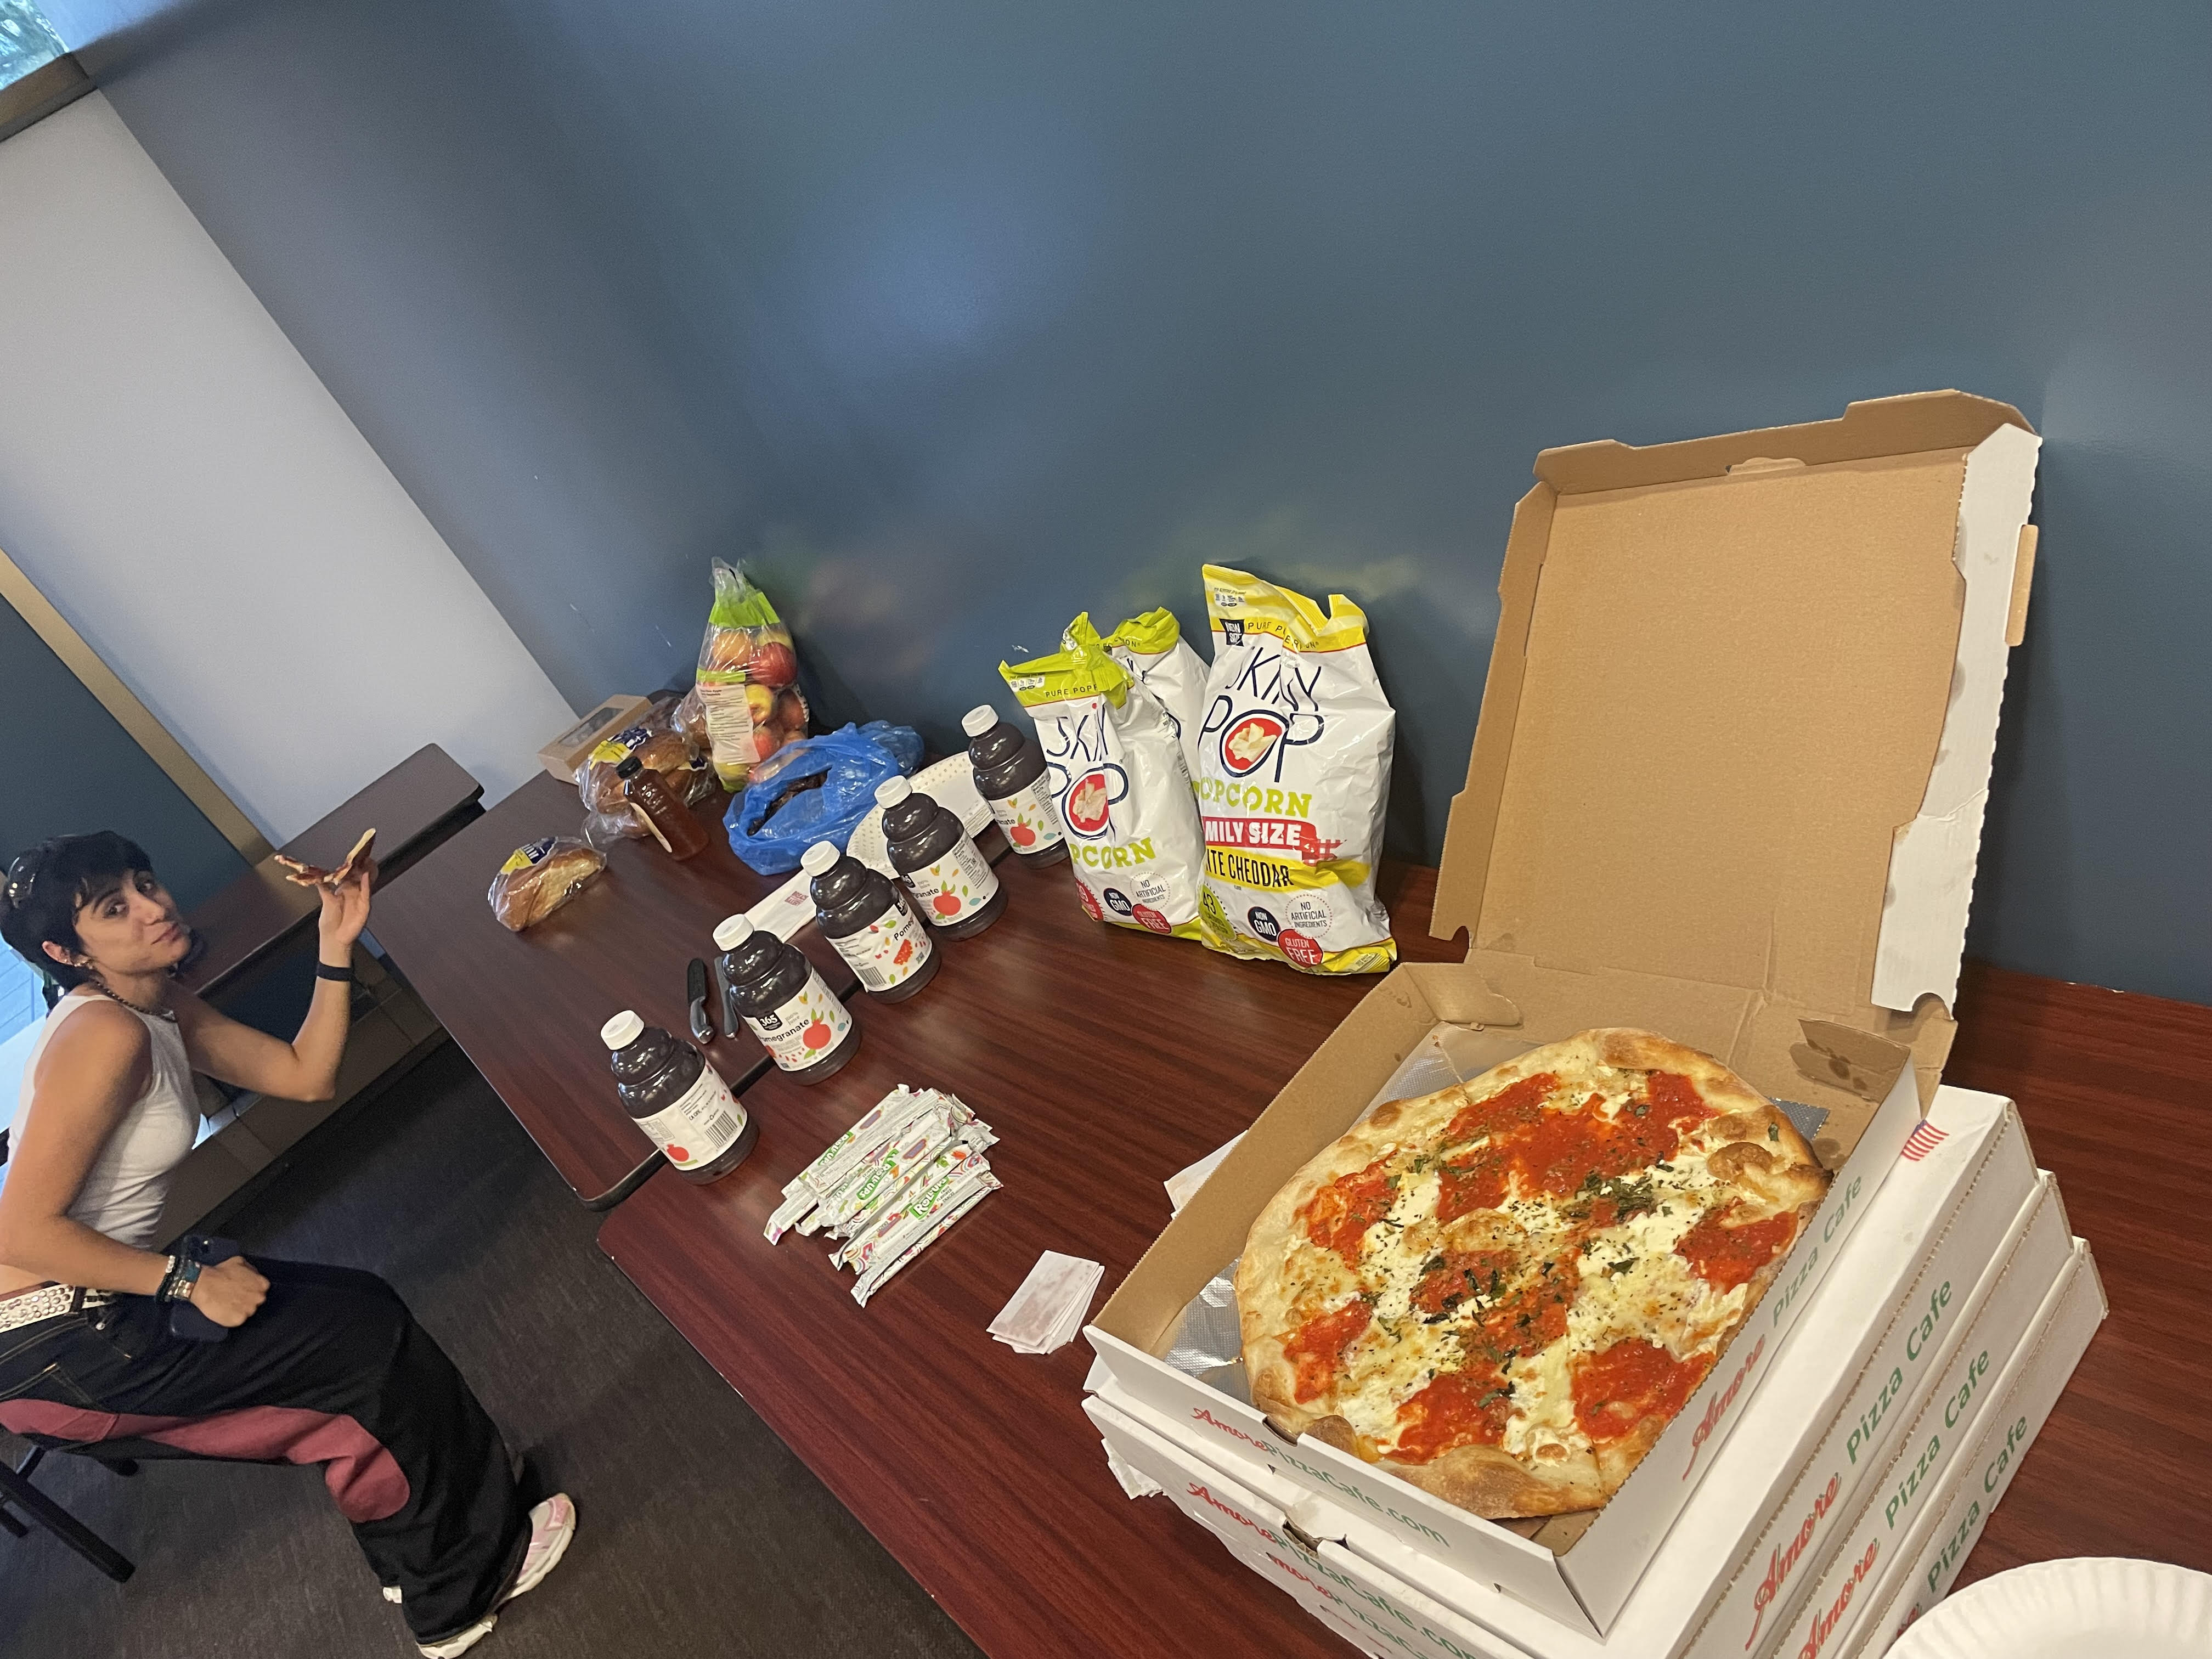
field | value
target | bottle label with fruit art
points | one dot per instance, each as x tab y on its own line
802	1031
701	1125
1030	821
889	951
960	882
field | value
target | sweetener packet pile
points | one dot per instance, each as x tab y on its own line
1049	1309
890	1185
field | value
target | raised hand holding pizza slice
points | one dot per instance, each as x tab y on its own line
313	875
1502	1292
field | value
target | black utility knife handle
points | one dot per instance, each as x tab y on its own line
695	989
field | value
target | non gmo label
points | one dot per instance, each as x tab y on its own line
1029	820
890	951
805	1029
700	1126
957	883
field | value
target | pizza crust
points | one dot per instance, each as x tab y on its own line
1757	1158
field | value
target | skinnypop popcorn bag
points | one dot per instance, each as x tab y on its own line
1152	648
1115	772
1293	768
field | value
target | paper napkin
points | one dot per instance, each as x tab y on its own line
1049	1308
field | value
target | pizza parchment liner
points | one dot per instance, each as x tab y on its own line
1486	1481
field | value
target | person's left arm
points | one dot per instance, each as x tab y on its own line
307	1068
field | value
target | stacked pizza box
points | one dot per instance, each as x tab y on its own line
1727	785
1858	1475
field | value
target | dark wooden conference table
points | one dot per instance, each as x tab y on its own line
1106	1061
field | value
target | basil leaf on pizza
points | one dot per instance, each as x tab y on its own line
1504	1292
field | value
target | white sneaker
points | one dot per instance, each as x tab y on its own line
552	1524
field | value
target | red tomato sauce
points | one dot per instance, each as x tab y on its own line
1463	1273
1726	1256
1339	1214
1533	1315
1315	1349
1515	1106
1460	1409
1629	1381
1557	1152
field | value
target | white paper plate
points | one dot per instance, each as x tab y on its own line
2088	1607
949	782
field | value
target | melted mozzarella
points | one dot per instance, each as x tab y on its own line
1631	1285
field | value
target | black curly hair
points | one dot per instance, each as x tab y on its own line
47	886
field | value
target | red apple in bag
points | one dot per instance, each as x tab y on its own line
774	664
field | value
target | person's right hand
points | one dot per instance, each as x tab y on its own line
230	1291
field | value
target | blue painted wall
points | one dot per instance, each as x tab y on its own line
75	769
959	318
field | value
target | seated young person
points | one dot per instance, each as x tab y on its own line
316	1364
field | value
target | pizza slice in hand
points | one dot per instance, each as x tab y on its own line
1504	1292
313	875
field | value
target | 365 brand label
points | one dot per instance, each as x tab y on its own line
801	1031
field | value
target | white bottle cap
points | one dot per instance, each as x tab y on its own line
820	858
624	1029
979	719
733	931
891	791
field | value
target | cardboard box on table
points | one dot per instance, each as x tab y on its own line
562	756
1958	1247
1913	1487
1726	785
1922	1570
1385	1614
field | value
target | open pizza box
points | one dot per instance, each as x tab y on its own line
1728	785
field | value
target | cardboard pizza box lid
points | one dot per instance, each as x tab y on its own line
1735	744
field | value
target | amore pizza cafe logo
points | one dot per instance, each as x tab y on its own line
1091	799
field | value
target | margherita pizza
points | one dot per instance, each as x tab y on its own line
1502	1292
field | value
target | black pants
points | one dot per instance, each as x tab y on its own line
333	1370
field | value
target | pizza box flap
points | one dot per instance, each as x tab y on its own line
1737	730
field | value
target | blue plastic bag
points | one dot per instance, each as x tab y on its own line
816	789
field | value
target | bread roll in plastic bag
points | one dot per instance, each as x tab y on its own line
608	815
1116	770
1293	770
1152	648
748	679
539	878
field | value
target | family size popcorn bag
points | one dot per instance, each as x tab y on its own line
1293	769
1116	770
1152	648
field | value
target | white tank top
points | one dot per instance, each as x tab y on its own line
124	1191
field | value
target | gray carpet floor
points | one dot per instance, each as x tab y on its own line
699	1532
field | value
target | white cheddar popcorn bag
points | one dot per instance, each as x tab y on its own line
1116	774
1152	648
1293	770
